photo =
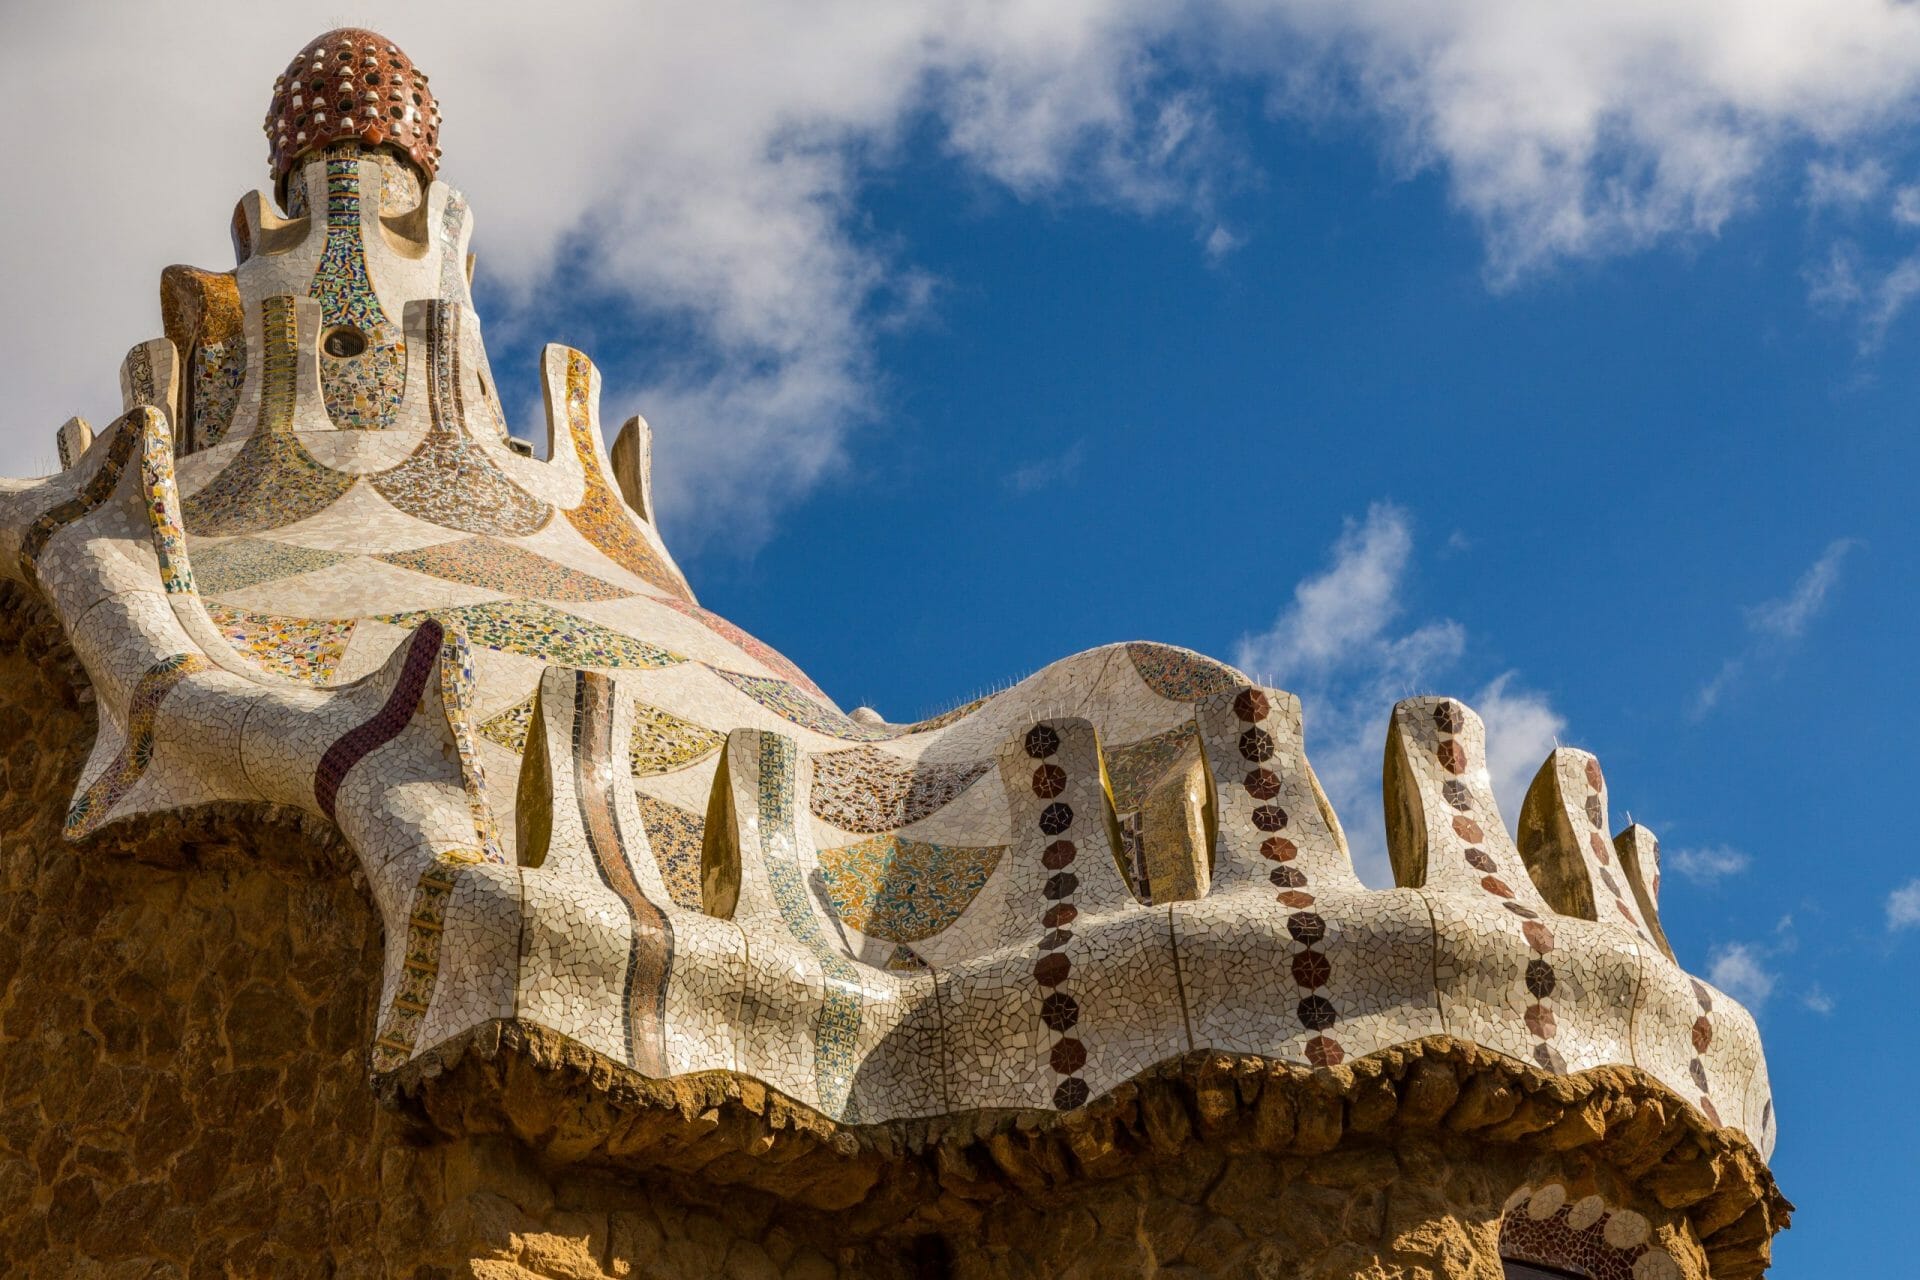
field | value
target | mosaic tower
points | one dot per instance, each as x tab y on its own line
681	970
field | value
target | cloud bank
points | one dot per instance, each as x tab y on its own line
700	166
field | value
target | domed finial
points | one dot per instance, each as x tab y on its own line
351	85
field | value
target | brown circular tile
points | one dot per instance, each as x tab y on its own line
1452	756
1316	1013
1538	936
1702	1033
1256	744
1068	1056
1270	817
1042	741
1294	898
1540	979
1279	849
1311	969
1059	1011
1467	829
1540	1021
1072	1093
1261	784
1056	817
1496	886
1060	915
1251	706
1325	1051
1306	927
1449	717
1049	780
1052	969
1058	854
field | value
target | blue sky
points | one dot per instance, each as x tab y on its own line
1554	357
1663	494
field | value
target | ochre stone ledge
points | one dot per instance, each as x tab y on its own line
570	1105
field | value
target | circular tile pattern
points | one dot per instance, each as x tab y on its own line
1251	706
1049	780
1262	784
1270	817
1042	741
1256	744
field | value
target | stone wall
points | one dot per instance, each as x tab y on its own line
185	1012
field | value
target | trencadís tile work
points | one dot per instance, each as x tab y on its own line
1005	992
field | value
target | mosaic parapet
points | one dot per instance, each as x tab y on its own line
308	568
1051	983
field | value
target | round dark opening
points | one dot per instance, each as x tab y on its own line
344	343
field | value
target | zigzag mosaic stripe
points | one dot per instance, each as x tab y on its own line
92	809
97	489
420	967
361	741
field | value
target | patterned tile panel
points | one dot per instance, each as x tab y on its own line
523	627
272	480
1583	1237
503	567
663	743
240	563
307	649
450	480
677	836
904	890
362	389
867	790
1180	675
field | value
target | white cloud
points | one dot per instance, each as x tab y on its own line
1837	184
1339	645
1816	1000
1906	205
1522	730
1740	969
1708	865
1045	473
1903	906
702	165
1777	626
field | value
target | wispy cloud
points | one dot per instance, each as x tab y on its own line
1047	473
1776	627
1903	906
707	183
1341	644
1836	184
1741	970
1816	1000
1708	865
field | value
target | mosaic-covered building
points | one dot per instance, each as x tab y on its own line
405	875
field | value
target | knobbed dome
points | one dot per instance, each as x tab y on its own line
351	85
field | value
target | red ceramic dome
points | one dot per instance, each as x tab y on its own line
351	85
